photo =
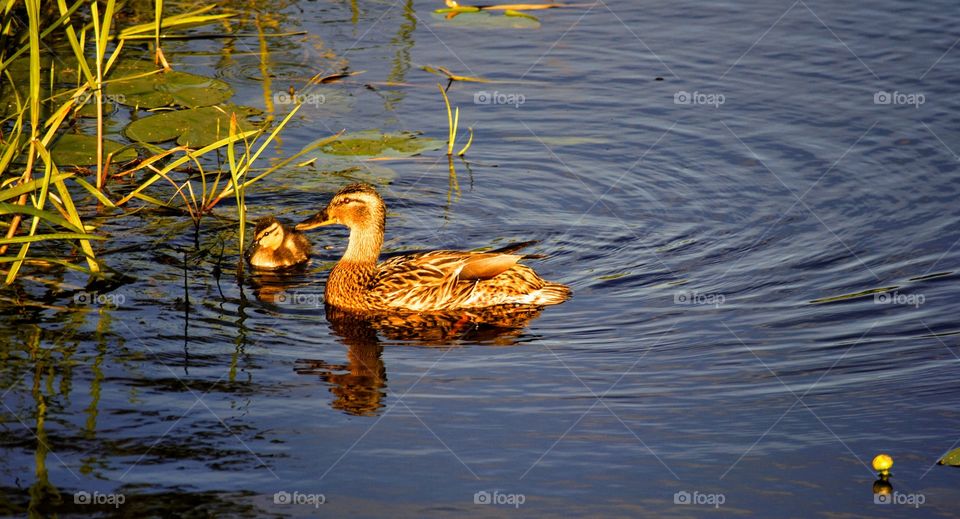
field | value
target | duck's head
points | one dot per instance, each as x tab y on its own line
269	233
358	206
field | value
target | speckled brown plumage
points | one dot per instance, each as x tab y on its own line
430	281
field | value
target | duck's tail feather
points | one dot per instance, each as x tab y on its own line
549	294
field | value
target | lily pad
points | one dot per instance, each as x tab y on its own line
172	88
345	160
952	458
81	150
193	127
331	180
486	20
372	143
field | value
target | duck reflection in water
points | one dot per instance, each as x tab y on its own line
359	386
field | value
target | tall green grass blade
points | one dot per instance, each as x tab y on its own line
157	18
235	176
44	34
450	127
33	15
183	20
75	44
30	210
29	187
319	144
44	237
95	192
45	260
74	218
467	145
228	190
183	160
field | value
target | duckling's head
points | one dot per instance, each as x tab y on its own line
268	233
358	206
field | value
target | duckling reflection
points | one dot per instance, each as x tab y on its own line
288	287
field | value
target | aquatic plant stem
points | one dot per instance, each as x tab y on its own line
451	122
159	58
33	15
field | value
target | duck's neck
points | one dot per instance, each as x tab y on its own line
351	277
363	248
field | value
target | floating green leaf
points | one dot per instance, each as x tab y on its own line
81	150
164	88
194	127
952	458
520	14
372	143
485	20
331	180
339	159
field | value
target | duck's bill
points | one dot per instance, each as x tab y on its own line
318	220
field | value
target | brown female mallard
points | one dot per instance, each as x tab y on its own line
430	281
276	246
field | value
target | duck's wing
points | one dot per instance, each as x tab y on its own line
465	266
486	266
438	278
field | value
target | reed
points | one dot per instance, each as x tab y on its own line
453	121
37	197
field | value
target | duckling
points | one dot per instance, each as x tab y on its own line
276	246
440	280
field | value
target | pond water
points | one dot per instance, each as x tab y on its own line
707	177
